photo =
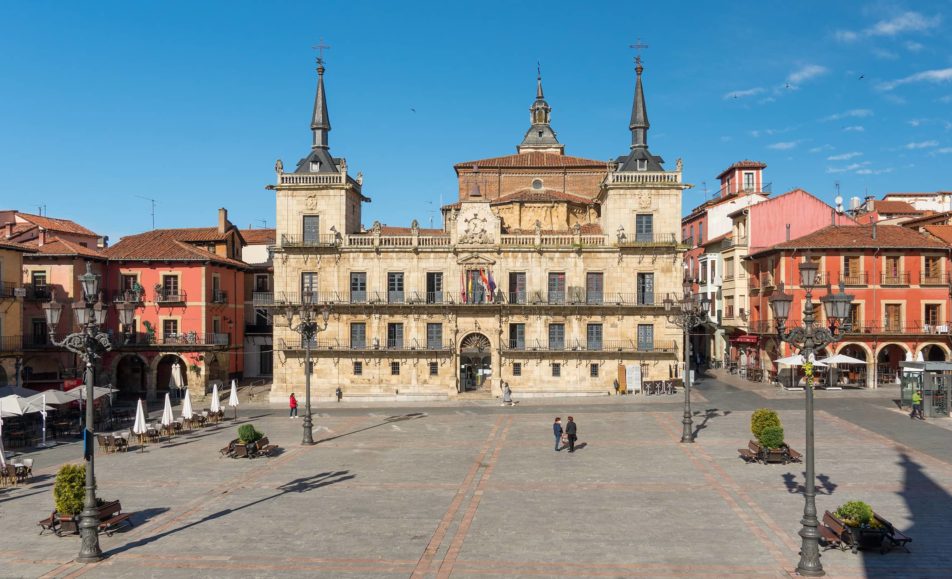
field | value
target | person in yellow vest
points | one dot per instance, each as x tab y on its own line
917	405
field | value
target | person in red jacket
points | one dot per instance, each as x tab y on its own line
293	404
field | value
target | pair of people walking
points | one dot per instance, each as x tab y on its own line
566	436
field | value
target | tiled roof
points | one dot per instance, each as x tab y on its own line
19	228
927	217
16	246
895	208
259	236
535	159
541	195
943	232
924	194
197	234
745	164
166	245
62	247
719	238
860	237
53	224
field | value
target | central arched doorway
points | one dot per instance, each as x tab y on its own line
475	362
164	371
131	374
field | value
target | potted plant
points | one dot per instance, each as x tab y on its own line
866	531
68	493
771	440
247	437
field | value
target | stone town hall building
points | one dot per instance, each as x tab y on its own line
548	273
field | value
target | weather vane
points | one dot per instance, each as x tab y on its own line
638	45
320	47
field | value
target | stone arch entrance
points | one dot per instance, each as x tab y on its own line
132	377
475	362
163	373
887	363
934	353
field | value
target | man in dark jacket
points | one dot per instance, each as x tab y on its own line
571	430
557	431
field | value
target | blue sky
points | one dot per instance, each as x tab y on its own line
190	103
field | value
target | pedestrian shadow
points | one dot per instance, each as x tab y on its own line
145	515
707	416
386	421
14	496
824	485
299	485
581	445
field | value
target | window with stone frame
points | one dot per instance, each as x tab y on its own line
932	315
931	270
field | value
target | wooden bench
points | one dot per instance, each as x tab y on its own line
835	533
111	518
50	523
894	536
751	453
793	455
230	449
265	448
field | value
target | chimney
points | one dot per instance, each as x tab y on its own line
788	232
42	237
102	242
832	216
874	230
222	220
10	229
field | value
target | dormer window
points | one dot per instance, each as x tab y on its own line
537	183
642	164
315	166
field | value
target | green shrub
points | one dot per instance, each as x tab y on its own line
771	437
248	434
69	489
855	513
761	419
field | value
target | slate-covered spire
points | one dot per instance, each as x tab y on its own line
540	135
639	114
319	160
320	122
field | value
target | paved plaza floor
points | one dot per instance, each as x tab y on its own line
478	490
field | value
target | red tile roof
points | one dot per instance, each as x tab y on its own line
259	236
62	247
860	237
167	245
4	244
943	232
535	159
895	208
745	164
198	234
541	195
719	238
927	217
54	224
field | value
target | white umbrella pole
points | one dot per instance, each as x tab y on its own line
43	412
3	458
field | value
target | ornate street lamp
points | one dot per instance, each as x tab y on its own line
307	328
687	313
809	338
88	343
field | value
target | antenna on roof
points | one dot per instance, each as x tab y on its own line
264	223
153	201
704	184
41	209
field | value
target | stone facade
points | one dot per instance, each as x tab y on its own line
548	275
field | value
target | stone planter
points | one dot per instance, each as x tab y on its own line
867	537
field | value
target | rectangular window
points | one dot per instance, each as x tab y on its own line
358	335
729	268
394	335
517	368
700	234
645	287
358	287
262	282
893	269
748	181
644	228
434	368
932	314
645	337
728	306
434	336
394	368
851	270
893	317
358	368
40	333
311	229
517	287
309	287
713	270
556	336
169	329
517	336
434	287
593	337
856	318
932	270
127	282
170	287
593	288
265	359
556	369
593	370
395	287
557	287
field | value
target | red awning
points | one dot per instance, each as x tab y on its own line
745	339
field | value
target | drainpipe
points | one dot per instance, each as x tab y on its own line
874	383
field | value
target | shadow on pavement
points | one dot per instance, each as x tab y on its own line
825	486
708	415
386	421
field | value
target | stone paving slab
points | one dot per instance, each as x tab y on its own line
406	492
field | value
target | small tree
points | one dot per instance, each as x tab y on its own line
761	419
771	437
855	513
247	434
69	489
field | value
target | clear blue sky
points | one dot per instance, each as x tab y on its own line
190	103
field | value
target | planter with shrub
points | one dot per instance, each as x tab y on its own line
867	532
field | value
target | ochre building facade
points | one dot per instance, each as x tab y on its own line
548	274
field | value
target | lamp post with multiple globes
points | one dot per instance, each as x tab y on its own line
308	328
687	313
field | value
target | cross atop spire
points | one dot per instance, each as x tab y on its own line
539	80
319	160
320	47
638	45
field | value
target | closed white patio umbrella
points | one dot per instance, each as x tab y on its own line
216	402
187	406
233	398
139	427
167	413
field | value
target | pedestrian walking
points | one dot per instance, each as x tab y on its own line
557	431
292	402
916	405
571	430
506	394
340	394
